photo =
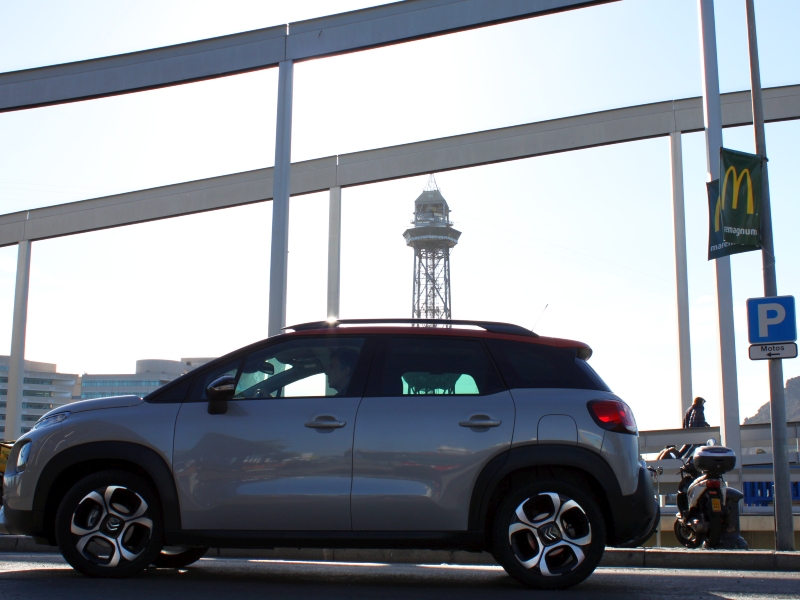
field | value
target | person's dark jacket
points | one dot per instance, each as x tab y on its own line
695	417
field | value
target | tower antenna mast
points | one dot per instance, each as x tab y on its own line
432	237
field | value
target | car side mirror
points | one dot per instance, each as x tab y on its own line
267	369
219	392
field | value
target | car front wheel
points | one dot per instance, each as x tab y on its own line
549	535
109	525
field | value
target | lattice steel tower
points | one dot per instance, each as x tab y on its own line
432	236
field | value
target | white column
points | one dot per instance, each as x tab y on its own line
334	251
280	202
712	114
16	367
681	275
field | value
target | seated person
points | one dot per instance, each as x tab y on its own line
340	369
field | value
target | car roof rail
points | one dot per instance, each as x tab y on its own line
490	326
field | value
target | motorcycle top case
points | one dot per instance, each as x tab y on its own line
714	459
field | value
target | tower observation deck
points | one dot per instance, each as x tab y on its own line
432	237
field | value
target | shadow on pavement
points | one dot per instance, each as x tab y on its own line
241	580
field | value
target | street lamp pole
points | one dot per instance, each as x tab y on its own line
784	526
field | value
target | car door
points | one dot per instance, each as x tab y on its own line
435	412
280	457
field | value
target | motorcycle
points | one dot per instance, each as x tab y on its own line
708	510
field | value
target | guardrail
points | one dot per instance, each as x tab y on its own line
756	441
755	464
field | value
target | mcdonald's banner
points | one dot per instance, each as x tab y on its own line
740	176
717	246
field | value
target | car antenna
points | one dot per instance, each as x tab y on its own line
540	317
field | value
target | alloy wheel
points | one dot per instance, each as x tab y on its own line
550	534
111	525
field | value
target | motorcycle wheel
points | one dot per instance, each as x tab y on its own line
686	535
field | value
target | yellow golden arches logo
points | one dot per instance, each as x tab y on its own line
737	184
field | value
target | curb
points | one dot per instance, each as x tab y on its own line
650	558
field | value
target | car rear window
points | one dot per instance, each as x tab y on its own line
526	365
423	366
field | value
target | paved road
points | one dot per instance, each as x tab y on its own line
31	577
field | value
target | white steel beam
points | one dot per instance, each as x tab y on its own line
16	364
681	273
279	256
334	251
712	114
384	25
371	166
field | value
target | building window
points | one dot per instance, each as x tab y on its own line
29	418
119	383
37	394
35	405
37	381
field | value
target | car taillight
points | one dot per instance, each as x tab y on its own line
712	484
612	415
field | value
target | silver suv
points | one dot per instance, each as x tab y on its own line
351	434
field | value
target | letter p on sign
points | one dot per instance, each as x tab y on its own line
771	320
765	320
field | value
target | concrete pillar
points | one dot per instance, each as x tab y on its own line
712	116
334	251
681	275
280	202
16	367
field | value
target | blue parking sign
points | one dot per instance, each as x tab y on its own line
771	320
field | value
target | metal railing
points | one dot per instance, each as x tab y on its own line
754	465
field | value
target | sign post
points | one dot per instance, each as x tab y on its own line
784	524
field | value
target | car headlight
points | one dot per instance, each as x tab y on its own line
51	420
22	457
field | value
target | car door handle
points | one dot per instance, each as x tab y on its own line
480	423
326	424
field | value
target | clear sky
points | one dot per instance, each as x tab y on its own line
588	233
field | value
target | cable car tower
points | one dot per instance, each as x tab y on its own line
432	236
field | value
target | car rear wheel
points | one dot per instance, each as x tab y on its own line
177	557
549	535
109	525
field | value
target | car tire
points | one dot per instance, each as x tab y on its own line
175	557
109	525
549	534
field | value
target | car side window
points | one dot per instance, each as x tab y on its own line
530	365
304	368
427	366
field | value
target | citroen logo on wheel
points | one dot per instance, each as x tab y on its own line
550	533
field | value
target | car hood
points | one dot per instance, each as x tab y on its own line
97	404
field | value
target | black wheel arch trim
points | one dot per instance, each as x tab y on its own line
141	456
622	524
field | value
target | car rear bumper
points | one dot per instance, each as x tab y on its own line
636	516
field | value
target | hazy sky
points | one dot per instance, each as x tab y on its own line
588	233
